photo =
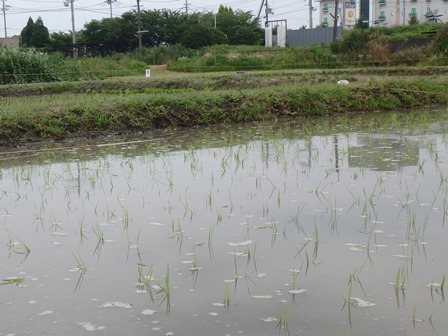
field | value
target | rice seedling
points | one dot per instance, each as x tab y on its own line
80	266
400	279
226	297
414	317
144	280
25	247
265	210
209	200
82	230
165	289
195	268
100	238
296	219
210	242
12	243
431	322
299	251
230	204
316	241
235	266
253	258
11	281
218	217
55	225
307	263
348	302
442	285
282	319
400	286
125	219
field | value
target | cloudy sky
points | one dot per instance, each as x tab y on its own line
57	17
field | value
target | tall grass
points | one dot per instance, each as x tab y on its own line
68	69
24	67
225	58
161	55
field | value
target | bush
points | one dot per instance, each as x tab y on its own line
410	56
351	42
378	48
161	55
440	43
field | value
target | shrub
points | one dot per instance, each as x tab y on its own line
162	54
410	56
378	48
440	43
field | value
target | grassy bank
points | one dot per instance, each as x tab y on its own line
94	108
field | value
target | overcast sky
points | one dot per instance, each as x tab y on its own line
57	17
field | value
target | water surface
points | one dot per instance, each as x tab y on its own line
330	227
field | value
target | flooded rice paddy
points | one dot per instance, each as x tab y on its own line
331	227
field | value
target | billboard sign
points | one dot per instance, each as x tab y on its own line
349	13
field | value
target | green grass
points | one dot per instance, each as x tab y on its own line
217	99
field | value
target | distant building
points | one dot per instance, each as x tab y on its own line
12	42
380	13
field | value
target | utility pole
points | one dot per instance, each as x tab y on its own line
4	8
109	2
335	25
404	12
310	5
72	10
139	25
266	13
186	7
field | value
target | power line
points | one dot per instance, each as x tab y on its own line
109	2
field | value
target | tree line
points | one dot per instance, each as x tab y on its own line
161	27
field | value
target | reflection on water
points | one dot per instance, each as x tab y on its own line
333	227
384	153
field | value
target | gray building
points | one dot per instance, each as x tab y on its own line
382	12
12	42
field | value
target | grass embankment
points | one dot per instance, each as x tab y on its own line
120	106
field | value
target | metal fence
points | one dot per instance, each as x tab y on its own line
306	37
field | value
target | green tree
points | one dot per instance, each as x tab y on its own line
119	33
40	36
362	23
25	34
59	41
240	27
413	19
35	34
165	27
197	36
